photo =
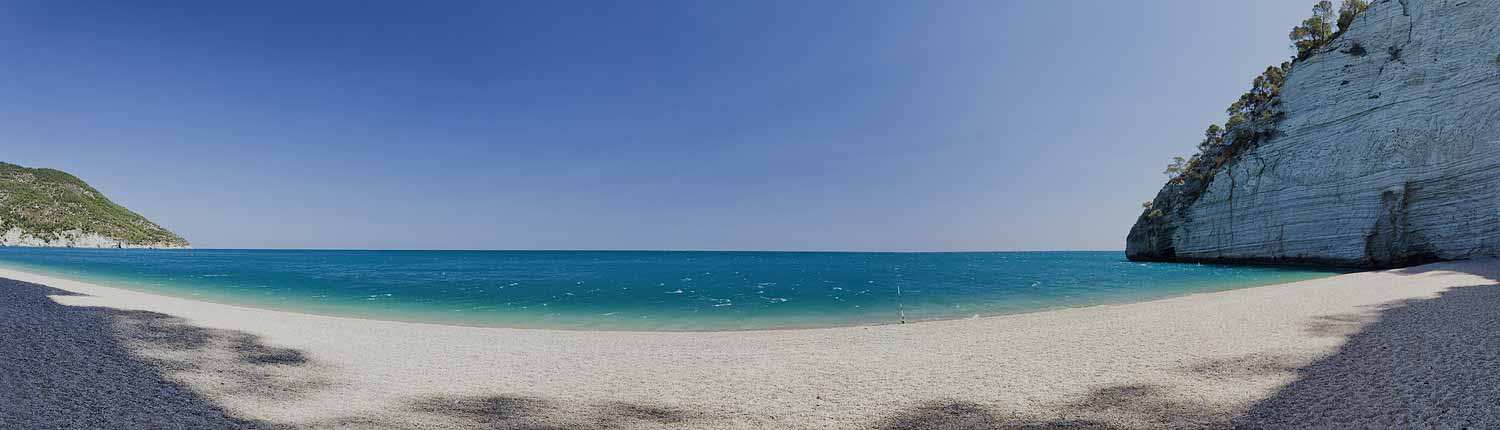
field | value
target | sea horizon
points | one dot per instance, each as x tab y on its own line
831	251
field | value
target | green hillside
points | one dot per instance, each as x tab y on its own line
46	203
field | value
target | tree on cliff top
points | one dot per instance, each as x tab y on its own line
1315	31
1347	11
1318	30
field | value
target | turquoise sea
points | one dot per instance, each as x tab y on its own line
630	290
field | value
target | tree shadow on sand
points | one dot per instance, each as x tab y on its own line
80	367
89	367
514	412
1111	408
1418	363
510	412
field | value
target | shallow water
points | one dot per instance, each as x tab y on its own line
640	290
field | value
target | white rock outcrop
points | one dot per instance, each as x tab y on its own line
15	236
1388	153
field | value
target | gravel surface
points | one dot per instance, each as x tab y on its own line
1414	348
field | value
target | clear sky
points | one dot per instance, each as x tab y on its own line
777	125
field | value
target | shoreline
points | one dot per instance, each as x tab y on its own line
1202	360
43	278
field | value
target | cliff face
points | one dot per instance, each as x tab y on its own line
1387	154
45	207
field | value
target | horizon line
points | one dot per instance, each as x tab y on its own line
598	250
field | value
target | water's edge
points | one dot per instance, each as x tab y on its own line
43	279
397	317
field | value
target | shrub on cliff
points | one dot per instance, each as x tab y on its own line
1347	11
1258	104
1265	92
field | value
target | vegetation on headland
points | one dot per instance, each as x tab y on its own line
48	202
1255	113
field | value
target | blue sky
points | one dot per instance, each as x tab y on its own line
776	125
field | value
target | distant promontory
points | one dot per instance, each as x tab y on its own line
47	207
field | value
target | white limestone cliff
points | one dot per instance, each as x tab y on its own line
1388	153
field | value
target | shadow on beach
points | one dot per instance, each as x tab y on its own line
85	367
78	367
1418	363
1137	406
510	412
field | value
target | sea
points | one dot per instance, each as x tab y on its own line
646	290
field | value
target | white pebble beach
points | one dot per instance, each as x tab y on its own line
1407	348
